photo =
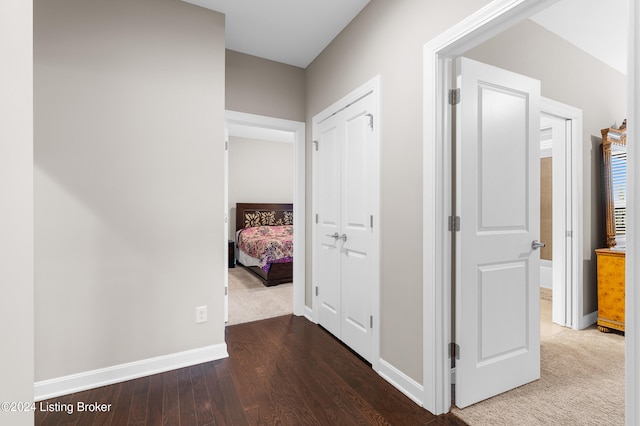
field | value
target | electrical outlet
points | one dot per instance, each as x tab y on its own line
201	314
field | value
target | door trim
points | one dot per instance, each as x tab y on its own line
297	128
437	183
371	87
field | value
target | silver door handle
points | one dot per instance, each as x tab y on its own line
535	244
343	237
334	235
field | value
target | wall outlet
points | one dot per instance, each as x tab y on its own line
201	314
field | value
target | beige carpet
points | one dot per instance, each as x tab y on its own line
582	383
250	300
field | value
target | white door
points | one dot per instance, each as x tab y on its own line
498	201
347	241
560	133
328	164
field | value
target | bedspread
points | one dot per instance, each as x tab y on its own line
269	244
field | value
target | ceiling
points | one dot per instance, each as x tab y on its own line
295	31
598	27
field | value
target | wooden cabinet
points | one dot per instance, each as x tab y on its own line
611	289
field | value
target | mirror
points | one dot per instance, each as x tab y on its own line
614	168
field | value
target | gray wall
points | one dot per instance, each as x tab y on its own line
16	204
387	38
259	86
571	76
259	172
129	100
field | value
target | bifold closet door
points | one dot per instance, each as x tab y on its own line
345	220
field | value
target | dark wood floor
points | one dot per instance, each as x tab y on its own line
284	371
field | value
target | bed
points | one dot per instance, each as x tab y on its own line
264	238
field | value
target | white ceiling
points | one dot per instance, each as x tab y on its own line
295	31
289	31
598	27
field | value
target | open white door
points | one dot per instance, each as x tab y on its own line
498	201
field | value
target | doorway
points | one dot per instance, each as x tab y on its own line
437	272
251	125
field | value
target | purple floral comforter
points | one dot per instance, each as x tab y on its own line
269	244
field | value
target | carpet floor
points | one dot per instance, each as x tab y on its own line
250	300
582	383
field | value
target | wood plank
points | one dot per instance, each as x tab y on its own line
170	401
226	403
187	402
138	412
122	406
154	400
204	414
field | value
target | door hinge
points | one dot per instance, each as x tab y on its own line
316	290
370	120
316	217
315	144
454	223
226	145
454	350
454	96
371	321
226	291
569	234
371	221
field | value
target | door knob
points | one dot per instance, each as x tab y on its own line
334	235
343	237
535	244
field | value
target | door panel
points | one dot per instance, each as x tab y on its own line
502	183
357	263
498	200
329	162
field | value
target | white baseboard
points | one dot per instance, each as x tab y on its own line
401	381
588	320
51	388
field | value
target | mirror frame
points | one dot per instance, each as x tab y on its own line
610	136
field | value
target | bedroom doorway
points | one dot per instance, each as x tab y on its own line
251	126
438	56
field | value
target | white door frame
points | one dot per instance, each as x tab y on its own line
297	128
574	198
632	309
437	189
373	87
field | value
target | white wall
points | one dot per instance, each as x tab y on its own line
16	205
259	172
129	123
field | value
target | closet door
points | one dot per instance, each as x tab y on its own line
347	244
328	175
357	266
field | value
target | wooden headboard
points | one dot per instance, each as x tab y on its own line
263	214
